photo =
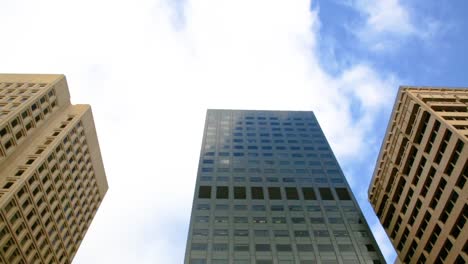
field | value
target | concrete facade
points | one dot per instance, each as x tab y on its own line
418	188
270	191
52	178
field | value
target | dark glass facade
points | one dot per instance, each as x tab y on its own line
270	191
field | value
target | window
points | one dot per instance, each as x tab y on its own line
274	193
220	232
281	233
241	232
301	233
259	220
257	193
222	192
261	233
203	207
240	207
326	194
279	220
283	247
298	220
204	192
258	208
295	208
291	193
317	220
199	246
305	248
240	220
262	247
239	193
221	219
241	247
200	232
202	219
277	208
308	193
325	248
343	194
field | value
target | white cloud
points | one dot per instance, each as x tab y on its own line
388	22
150	71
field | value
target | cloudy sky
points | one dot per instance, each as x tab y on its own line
151	68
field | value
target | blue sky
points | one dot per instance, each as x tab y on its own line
151	68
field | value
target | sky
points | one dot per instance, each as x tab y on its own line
151	68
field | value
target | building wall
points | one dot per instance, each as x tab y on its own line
51	174
418	189
269	190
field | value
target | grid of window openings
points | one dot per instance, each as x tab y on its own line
418	190
270	191
51	175
37	101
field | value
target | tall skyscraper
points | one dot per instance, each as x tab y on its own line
270	191
418	189
52	178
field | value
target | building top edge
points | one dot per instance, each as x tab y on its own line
443	88
14	77
259	110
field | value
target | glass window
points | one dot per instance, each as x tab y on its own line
326	194
295	208
240	207
298	220
291	193
321	233
203	207
200	233
281	233
258	207
220	247
204	192
222	207
305	248
279	220
277	208
261	233
343	194
202	219
239	179
221	219
262	247
283	247
308	193
222	192
220	232
241	232
199	246
317	220
240	220
325	248
301	233
259	220
239	192
257	193
241	247
274	193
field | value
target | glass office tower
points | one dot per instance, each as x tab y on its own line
270	191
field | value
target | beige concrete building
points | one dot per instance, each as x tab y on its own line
52	179
419	189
